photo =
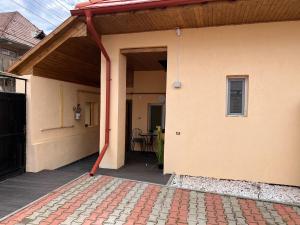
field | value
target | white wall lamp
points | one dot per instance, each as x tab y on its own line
77	112
177	82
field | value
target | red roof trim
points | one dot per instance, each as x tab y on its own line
114	6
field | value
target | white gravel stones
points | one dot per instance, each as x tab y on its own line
260	191
280	193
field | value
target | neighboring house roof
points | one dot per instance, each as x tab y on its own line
16	28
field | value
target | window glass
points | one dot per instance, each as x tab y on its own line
91	114
87	114
236	96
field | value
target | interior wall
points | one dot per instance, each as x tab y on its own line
262	147
54	137
147	89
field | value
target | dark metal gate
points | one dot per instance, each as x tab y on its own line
12	133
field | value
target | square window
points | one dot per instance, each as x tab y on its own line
236	96
91	114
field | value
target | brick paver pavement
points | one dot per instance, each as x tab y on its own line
115	201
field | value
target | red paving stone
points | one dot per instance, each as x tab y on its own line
110	193
70	206
251	213
179	208
214	208
143	207
288	215
103	210
19	216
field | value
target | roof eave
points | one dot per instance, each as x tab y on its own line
138	6
14	67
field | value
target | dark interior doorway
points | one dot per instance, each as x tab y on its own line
128	125
156	116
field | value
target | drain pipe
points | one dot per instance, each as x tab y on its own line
93	32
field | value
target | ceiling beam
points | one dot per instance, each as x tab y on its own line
143	50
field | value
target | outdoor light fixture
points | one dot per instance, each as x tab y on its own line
178	31
177	82
77	112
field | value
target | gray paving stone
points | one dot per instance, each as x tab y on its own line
68	221
37	220
201	216
232	223
161	222
240	220
150	223
230	217
201	222
123	217
153	218
239	215
163	216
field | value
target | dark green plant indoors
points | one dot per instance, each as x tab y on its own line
160	146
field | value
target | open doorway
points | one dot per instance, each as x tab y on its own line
145	106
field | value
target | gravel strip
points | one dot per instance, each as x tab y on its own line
245	189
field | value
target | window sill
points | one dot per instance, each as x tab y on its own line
236	115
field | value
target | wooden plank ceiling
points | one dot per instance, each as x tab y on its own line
201	15
76	60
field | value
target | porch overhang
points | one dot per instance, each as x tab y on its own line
108	6
69	50
114	17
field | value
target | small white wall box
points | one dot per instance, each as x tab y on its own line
177	84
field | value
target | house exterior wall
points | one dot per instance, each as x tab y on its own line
9	53
6	61
54	137
264	146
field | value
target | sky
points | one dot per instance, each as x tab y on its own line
45	14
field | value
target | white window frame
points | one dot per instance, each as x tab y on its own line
245	79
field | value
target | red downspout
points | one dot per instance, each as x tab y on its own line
92	30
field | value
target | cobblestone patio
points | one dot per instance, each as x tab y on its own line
109	200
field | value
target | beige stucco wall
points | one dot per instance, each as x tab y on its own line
20	86
54	137
265	145
153	85
149	82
